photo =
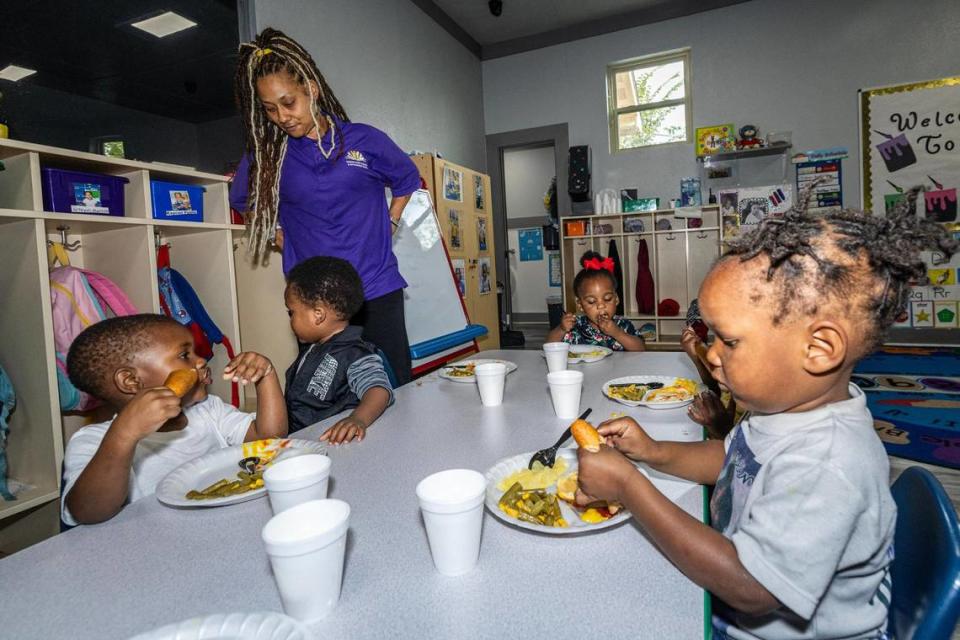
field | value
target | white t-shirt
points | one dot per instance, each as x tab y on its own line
805	499
211	424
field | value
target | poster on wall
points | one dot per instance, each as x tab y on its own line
531	244
478	197
554	278
455	237
460	273
452	184
910	136
484	280
481	233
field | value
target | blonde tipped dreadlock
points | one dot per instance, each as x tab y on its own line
266	144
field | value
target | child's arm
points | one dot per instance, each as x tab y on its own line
101	489
373	403
709	411
271	420
696	351
699	462
629	341
566	325
703	554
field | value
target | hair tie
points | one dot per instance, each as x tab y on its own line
595	264
262	52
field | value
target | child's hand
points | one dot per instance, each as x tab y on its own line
248	367
628	438
708	410
602	475
606	324
567	322
148	411
690	341
346	430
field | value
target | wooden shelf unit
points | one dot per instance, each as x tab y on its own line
679	260
123	249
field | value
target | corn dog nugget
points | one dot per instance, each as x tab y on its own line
586	436
181	381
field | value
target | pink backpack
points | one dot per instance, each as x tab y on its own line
80	298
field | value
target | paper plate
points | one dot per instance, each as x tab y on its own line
666	381
449	371
223	463
267	625
587	353
510	465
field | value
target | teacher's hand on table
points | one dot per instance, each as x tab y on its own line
345	430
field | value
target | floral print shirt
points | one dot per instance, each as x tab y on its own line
584	332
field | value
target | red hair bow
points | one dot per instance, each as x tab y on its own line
595	264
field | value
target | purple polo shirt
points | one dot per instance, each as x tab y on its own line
338	207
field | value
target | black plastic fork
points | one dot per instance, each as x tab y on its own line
547	457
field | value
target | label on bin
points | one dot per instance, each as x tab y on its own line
86	198
180	204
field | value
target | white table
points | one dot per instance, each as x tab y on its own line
153	565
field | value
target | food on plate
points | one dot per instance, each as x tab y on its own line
594	353
460	371
631	392
535	507
180	381
540	477
595	511
673	393
257	454
586	436
226	487
686	383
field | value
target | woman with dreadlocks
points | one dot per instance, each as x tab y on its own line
312	182
800	538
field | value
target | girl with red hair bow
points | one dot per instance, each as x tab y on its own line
595	288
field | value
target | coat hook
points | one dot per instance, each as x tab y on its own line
158	238
701	234
70	246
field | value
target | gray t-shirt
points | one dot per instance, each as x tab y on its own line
804	498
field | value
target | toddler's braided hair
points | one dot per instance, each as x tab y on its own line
868	260
266	144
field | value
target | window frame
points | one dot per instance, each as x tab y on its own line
643	62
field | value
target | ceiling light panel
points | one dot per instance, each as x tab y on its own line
13	72
164	24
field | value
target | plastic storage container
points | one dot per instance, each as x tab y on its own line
80	192
173	201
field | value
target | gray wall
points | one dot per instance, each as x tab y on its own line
219	142
779	64
394	68
60	119
527	174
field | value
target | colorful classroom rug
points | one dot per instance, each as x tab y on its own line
914	396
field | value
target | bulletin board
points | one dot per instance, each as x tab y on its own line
910	136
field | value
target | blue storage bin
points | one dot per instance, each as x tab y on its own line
173	201
81	192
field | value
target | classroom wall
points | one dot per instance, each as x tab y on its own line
392	67
219	142
37	114
778	64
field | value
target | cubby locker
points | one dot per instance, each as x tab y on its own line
20	180
605	226
576	248
671	280
35	444
205	258
703	247
632	243
676	224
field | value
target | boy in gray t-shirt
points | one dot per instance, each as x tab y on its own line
803	520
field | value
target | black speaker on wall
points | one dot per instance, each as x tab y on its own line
579	173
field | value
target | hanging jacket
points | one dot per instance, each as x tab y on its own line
646	300
614	255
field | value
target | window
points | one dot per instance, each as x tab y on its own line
649	100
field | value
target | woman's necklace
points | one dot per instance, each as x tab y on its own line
333	138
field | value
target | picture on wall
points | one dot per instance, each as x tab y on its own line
731	225
455	237
478	196
752	210
485	285
716	139
531	244
452	184
728	202
460	273
554	277
481	233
